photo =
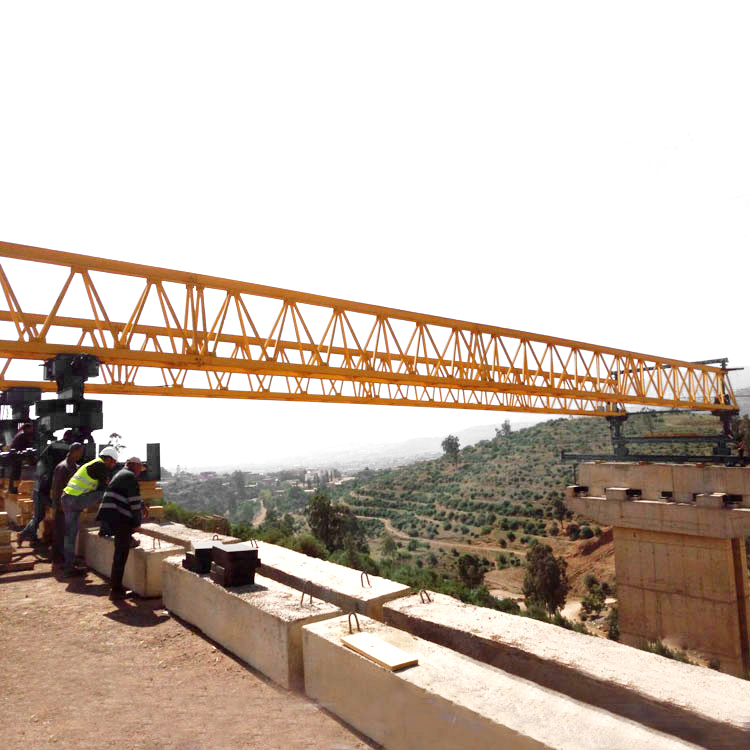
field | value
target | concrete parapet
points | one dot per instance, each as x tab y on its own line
260	623
452	701
692	703
177	533
345	587
143	569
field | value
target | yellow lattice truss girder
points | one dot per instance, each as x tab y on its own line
194	335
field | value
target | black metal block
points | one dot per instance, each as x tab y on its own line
218	575
242	573
203	552
191	563
229	555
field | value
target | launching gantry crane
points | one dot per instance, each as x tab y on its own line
154	331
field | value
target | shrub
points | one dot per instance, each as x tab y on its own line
613	625
508	605
308	545
657	647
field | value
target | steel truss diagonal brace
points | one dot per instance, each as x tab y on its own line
193	335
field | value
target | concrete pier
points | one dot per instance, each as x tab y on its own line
452	701
143	569
261	623
680	565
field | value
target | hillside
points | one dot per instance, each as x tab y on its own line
499	496
494	501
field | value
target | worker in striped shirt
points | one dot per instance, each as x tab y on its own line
122	509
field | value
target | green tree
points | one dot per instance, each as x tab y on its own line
237	494
470	570
334	524
559	510
546	580
506	428
389	545
450	447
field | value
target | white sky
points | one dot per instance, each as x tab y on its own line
573	169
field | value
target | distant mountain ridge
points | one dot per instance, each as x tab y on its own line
359	455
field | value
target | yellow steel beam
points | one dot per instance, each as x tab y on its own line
365	354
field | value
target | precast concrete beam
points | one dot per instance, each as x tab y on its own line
695	704
184	536
345	587
451	701
143	568
260	623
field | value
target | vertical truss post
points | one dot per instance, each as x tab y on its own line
619	447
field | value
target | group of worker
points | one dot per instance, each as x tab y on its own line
69	489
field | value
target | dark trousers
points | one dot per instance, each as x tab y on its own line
58	535
15	463
122	533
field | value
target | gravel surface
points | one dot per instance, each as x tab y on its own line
79	671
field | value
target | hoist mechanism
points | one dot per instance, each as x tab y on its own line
163	332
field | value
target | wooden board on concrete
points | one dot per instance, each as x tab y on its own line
379	651
15	566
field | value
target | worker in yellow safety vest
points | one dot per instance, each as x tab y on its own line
84	490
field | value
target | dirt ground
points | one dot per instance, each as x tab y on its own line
77	671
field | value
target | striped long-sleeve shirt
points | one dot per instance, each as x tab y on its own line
121	502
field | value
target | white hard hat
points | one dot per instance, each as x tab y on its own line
108	452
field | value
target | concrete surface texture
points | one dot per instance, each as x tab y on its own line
688	590
681	565
143	569
337	584
261	623
452	701
682	480
659	515
177	533
689	702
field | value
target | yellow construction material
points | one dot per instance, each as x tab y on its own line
379	651
194	335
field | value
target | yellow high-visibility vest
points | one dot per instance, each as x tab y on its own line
81	481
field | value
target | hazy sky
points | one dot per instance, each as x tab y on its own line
574	169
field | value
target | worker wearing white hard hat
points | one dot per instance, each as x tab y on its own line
84	490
